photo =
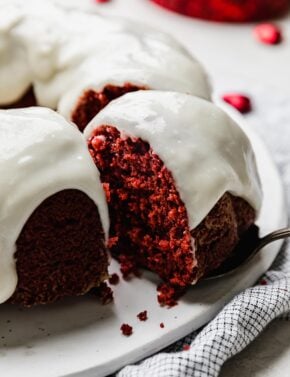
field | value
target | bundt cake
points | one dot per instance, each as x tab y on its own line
179	175
228	10
180	180
53	211
75	61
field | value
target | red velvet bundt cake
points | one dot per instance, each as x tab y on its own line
78	66
180	179
53	213
228	10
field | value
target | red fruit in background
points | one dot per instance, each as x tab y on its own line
228	10
238	101
268	34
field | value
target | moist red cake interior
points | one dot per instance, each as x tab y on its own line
149	224
91	102
61	250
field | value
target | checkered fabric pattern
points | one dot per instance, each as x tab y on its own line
245	317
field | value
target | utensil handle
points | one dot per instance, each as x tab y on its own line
274	236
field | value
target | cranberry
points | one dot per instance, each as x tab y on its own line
240	102
228	10
268	34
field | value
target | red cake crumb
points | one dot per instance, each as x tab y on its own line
268	34
104	292
149	223
114	279
102	1
263	282
141	193
143	316
126	329
162	325
240	102
128	267
186	347
169	294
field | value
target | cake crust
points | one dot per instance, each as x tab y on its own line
53	211
60	251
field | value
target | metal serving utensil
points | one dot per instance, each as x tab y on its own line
252	249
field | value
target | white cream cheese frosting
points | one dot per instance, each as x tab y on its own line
62	52
205	150
41	154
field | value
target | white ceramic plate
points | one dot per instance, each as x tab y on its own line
79	337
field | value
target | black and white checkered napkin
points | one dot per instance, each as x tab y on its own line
245	317
239	323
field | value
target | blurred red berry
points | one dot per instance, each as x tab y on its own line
240	102
268	33
228	10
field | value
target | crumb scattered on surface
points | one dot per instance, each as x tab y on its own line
114	279
126	329
162	325
186	347
143	316
169	294
104	292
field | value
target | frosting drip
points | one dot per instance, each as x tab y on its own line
40	155
206	151
62	52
